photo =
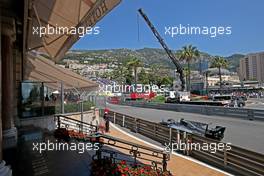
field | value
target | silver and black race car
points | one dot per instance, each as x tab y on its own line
198	128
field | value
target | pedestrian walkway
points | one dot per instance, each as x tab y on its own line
177	165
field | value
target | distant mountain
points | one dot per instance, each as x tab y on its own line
234	61
148	56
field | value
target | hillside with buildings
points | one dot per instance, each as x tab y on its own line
99	63
148	56
103	63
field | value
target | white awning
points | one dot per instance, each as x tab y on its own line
38	68
62	13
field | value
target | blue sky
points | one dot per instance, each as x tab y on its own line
119	29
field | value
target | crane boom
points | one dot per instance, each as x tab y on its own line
165	47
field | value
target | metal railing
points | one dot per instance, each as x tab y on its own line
76	125
134	154
244	113
237	160
114	148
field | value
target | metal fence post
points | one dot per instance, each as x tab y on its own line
136	125
185	142
58	122
62	98
155	130
123	120
164	162
42	99
250	114
225	156
170	139
178	136
114	117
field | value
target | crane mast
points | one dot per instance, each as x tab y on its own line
166	48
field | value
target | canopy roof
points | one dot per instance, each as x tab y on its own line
61	13
41	69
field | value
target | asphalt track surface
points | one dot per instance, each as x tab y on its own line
244	133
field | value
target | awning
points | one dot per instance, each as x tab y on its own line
62	13
41	69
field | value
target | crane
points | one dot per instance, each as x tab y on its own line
166	48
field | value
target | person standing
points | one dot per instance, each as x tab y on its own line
106	118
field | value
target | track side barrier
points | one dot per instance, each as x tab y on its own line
243	113
238	161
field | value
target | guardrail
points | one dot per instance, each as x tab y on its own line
237	160
244	113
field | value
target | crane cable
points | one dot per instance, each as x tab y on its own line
138	28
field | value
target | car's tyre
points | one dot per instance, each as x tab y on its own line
240	105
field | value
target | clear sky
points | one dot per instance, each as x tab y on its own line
119	29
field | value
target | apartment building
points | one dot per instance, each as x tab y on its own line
251	67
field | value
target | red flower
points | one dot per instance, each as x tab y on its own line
123	162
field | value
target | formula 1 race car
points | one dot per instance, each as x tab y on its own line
198	128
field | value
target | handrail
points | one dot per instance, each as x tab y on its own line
154	157
136	151
81	125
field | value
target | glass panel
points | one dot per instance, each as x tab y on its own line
35	100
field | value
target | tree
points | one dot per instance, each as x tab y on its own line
188	54
121	74
186	72
134	64
219	62
143	77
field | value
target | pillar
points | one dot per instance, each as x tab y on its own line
9	132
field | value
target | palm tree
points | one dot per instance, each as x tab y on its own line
120	74
219	62
188	54
134	64
186	73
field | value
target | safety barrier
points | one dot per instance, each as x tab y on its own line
237	160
